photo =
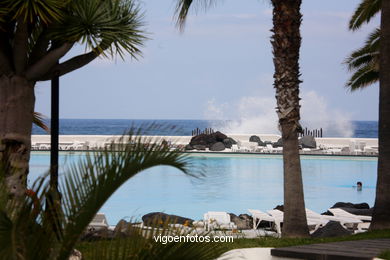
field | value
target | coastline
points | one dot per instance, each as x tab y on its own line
325	145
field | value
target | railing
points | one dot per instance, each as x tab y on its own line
314	132
206	131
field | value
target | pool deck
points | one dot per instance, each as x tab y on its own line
358	249
325	146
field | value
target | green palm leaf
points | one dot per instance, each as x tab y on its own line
363	77
183	7
364	63
46	11
111	26
139	246
35	228
38	120
366	10
89	185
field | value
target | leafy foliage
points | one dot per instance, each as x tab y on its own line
38	120
31	11
111	25
39	227
366	10
183	7
364	62
35	34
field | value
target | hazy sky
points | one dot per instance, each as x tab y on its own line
220	67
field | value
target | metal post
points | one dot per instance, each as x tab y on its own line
54	132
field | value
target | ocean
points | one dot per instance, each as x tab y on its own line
358	129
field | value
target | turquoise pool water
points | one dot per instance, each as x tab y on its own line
232	183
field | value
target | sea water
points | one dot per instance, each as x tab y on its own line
231	183
360	129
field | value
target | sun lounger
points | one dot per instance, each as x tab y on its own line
346	221
364	221
338	212
311	222
259	216
218	220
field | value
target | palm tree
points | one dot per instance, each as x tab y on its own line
370	64
29	232
286	42
380	217
364	62
34	36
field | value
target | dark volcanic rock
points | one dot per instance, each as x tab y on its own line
188	147
255	138
243	221
279	143
279	207
351	205
331	229
121	227
308	141
217	147
228	142
207	139
200	147
159	218
327	213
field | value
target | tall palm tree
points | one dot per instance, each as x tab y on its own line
364	62
380	217
286	42
29	232
34	36
371	64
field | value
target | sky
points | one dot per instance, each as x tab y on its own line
220	67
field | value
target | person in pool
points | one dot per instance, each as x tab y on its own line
359	185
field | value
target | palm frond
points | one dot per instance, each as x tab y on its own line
363	77
183	7
364	63
38	120
366	10
108	27
34	231
46	11
89	184
141	244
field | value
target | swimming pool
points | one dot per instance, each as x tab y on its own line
232	183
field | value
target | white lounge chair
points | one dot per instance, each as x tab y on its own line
259	216
346	221
338	212
364	223
218	219
311	222
98	222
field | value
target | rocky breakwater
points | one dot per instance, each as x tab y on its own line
215	142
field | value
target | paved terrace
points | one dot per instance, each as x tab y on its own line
357	250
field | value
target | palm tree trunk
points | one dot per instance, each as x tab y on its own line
381	214
17	101
286	43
